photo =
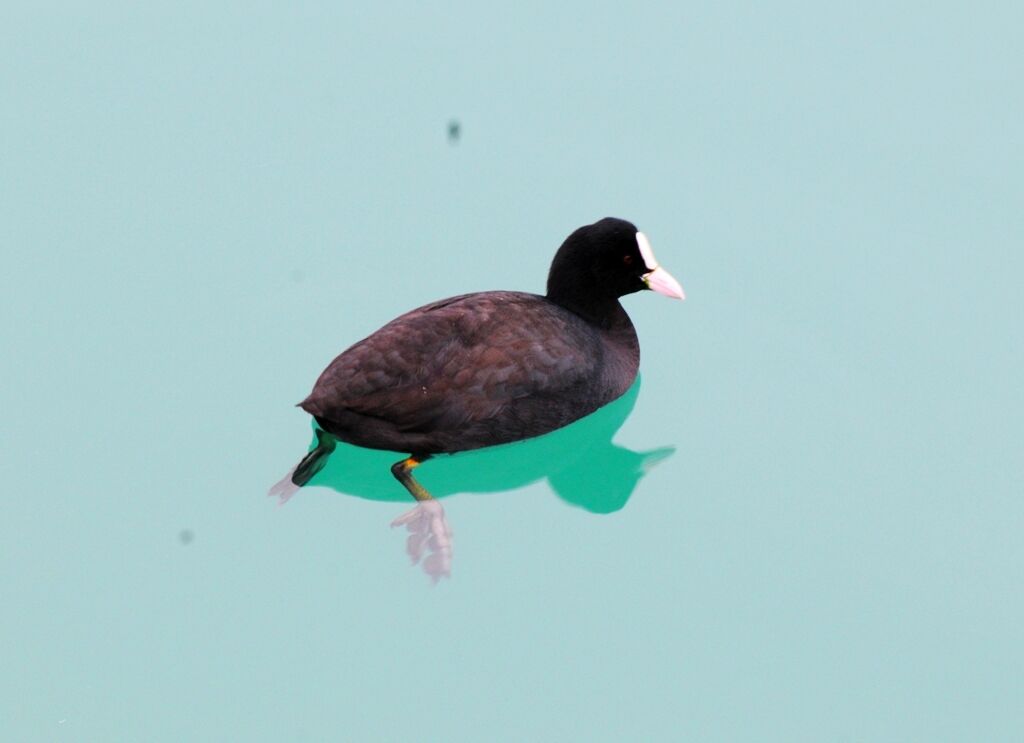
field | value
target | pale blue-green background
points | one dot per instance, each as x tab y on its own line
199	207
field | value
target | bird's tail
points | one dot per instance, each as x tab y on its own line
316	459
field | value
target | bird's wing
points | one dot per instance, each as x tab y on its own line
458	361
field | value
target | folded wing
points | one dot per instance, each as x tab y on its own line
452	363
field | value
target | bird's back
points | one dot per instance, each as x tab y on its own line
465	372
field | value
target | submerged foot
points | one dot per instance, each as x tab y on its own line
430	538
284	488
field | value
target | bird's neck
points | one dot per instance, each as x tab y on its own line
605	312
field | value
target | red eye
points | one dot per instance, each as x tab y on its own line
627	259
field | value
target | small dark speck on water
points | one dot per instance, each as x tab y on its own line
454	131
185	536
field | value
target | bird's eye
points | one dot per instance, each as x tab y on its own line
627	259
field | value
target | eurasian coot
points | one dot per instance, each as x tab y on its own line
493	367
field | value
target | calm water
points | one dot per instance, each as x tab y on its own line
803	525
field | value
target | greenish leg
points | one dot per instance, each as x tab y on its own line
403	473
316	459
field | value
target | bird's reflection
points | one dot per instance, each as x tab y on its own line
580	462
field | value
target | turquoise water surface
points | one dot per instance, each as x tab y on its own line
803	524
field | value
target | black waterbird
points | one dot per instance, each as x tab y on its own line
493	367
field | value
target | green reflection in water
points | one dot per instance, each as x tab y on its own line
580	462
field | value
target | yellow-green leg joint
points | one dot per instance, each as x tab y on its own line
403	473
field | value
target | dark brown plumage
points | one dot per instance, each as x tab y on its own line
489	368
473	371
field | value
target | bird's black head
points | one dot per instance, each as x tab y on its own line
600	262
